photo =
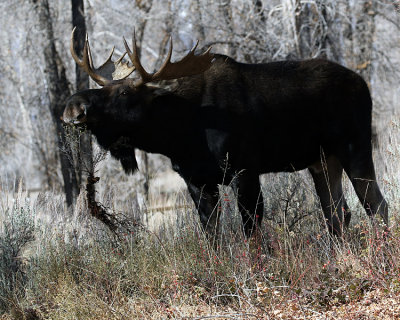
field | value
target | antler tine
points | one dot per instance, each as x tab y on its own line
86	63
110	56
166	62
191	52
134	56
187	66
120	58
72	49
86	57
89	51
195	47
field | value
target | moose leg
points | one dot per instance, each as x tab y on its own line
360	169
206	200
328	184
250	201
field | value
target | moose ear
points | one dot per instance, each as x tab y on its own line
164	87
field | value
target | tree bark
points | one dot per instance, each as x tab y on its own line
225	11
363	53
85	156
58	91
144	7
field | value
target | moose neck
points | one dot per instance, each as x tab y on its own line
169	119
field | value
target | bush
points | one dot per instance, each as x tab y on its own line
17	230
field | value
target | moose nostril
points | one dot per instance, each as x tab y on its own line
80	116
80	113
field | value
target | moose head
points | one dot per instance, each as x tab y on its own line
119	92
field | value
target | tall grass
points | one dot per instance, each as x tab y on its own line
69	266
17	229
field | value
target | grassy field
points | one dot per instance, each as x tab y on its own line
59	264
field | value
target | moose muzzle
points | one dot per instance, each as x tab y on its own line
75	112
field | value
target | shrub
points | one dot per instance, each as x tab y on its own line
16	232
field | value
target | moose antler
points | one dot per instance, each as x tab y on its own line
108	72
187	66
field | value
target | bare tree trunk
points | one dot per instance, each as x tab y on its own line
78	21
363	50
225	11
145	7
58	91
363	37
85	161
198	27
259	10
311	29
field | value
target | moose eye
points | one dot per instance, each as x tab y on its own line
123	93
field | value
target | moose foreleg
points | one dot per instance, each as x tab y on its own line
206	199
250	201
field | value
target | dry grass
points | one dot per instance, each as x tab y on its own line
75	269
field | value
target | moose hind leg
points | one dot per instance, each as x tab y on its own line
362	176
327	178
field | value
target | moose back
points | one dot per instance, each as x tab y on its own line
260	118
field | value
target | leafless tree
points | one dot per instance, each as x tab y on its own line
58	91
35	65
84	163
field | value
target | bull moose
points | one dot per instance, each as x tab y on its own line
270	117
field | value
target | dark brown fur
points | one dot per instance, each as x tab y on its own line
279	116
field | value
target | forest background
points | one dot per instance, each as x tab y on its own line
42	174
